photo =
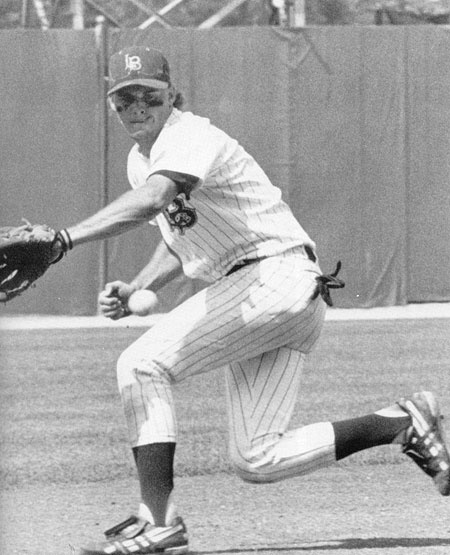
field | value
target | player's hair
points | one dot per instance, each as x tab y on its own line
179	100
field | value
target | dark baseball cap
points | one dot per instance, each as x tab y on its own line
138	65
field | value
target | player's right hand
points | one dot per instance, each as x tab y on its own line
112	301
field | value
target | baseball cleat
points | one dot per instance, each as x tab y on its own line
138	537
425	441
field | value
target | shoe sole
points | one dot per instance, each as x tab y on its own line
177	550
180	550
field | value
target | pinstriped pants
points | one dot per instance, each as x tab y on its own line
257	324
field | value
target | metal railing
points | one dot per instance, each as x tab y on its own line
289	13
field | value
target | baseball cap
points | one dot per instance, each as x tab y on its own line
138	65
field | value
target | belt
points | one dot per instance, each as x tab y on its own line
310	253
247	261
325	282
243	263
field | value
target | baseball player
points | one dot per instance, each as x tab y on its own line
222	221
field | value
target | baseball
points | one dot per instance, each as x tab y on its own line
142	302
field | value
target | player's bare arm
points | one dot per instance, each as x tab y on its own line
163	267
130	210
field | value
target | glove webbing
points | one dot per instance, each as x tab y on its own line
327	282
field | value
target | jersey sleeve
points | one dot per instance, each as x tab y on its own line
187	152
185	182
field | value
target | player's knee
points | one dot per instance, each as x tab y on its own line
132	368
250	472
252	466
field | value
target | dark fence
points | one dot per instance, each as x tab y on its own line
352	123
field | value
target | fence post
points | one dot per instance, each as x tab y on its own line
101	42
77	11
296	13
24	16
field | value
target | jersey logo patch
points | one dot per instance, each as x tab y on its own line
180	216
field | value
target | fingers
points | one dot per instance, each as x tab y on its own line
112	289
110	302
116	314
114	311
106	299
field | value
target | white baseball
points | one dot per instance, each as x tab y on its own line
142	302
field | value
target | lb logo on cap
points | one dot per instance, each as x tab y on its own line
132	63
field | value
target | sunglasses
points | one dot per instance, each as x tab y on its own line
122	100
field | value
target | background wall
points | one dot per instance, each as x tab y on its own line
49	148
352	123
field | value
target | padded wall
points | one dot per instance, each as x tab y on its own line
352	123
49	148
428	165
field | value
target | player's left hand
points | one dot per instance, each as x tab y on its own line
26	253
112	301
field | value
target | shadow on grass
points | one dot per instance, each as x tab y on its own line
335	545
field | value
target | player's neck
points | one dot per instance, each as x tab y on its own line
145	149
145	144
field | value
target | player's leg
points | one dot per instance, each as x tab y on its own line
259	308
261	396
249	311
150	415
152	427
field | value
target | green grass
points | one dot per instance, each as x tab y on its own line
61	416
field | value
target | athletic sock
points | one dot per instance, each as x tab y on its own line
154	464
361	433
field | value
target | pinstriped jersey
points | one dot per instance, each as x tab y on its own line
232	212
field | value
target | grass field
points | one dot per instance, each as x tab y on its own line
63	434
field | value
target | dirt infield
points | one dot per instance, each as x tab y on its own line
67	473
371	510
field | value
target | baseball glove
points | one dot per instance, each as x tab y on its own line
26	253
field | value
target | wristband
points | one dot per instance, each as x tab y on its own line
64	238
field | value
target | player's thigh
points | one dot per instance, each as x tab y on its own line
261	395
258	308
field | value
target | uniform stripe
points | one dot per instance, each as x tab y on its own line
276	416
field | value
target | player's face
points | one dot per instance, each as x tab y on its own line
143	111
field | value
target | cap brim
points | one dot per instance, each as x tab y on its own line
151	83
